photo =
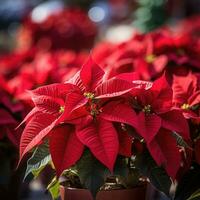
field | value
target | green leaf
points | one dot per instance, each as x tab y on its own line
38	160
195	195
157	175
91	172
53	188
121	167
180	141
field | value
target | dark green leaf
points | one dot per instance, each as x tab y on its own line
189	183
195	195
180	141
91	172
157	175
121	168
38	160
53	188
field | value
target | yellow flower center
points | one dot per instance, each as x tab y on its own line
89	95
185	106
150	58
62	109
147	109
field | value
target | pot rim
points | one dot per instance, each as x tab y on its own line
83	189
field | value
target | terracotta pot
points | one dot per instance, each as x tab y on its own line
138	193
75	194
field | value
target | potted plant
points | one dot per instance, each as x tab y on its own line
106	134
10	114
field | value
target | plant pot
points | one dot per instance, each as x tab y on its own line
75	194
137	193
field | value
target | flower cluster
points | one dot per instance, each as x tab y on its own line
142	95
151	54
28	70
95	112
68	29
45	54
11	112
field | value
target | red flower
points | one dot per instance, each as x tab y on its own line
78	108
68	29
49	103
180	49
148	63
9	112
96	131
157	121
65	148
186	95
136	55
45	68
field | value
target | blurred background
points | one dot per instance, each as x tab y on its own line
115	19
27	26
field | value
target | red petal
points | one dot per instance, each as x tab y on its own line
162	95
65	148
91	74
102	139
73	104
148	126
6	118
33	112
113	88
142	84
194	99
175	121
37	128
132	76
143	68
160	63
14	135
119	112
125	143
156	153
56	90
183	88
164	148
76	80
47	104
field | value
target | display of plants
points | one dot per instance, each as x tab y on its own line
110	122
135	118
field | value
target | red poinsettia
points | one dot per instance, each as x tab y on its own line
45	68
67	29
9	113
76	108
49	102
155	118
186	95
149	64
180	49
157	122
